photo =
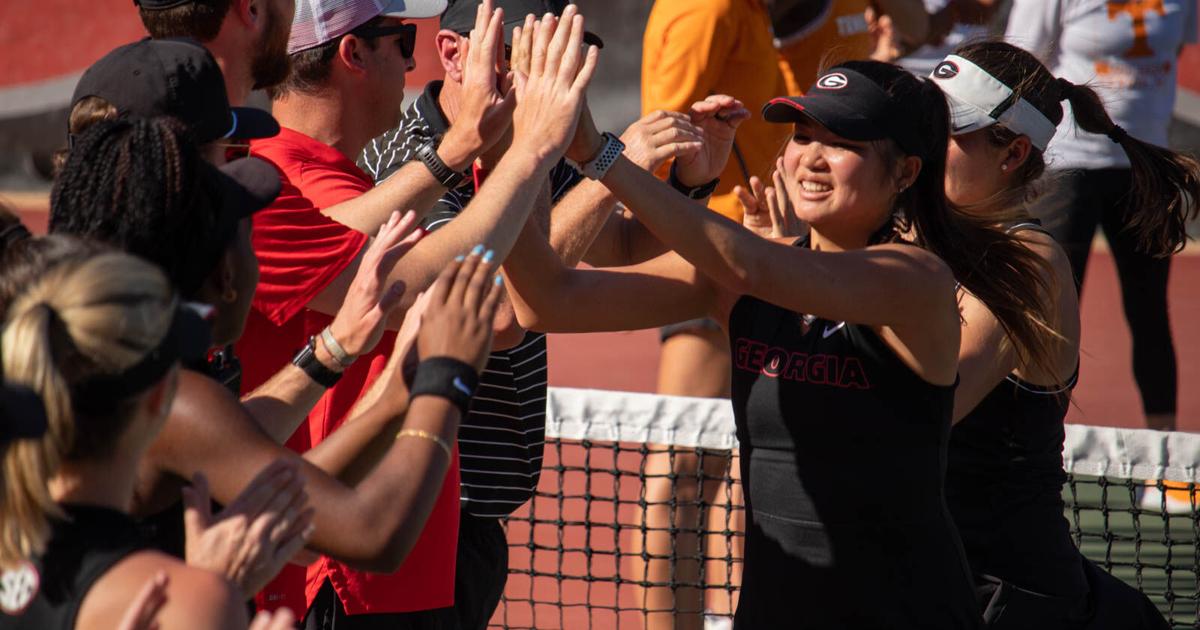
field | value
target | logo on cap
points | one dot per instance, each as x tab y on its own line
946	70
832	81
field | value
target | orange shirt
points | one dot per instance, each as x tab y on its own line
695	48
838	35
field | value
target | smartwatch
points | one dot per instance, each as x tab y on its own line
445	175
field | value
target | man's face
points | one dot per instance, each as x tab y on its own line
387	67
270	63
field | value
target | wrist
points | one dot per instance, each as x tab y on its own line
588	150
458	152
446	377
691	190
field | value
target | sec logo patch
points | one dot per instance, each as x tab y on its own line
18	587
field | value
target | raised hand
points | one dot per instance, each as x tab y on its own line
768	211
660	136
486	104
142	613
457	322
550	97
719	117
360	322
256	534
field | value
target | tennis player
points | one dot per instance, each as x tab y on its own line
844	344
1005	476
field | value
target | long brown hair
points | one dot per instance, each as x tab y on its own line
993	265
1165	187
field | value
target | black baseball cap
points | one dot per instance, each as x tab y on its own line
23	415
156	5
460	16
172	77
853	106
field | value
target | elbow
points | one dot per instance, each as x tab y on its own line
507	328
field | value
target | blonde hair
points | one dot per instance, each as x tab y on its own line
82	318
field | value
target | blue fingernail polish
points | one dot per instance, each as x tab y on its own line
499	280
488	256
459	258
477	250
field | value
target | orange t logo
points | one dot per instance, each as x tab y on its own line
1137	10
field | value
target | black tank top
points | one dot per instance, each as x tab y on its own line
843	455
46	593
1004	487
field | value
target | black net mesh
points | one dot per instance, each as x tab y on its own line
625	534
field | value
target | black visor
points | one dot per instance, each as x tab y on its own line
852	106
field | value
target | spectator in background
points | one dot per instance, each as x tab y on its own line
1127	52
690	50
812	36
952	23
247	37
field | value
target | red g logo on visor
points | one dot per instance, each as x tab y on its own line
832	81
946	70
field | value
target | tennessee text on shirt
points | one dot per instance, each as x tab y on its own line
815	369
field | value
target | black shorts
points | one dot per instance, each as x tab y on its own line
327	613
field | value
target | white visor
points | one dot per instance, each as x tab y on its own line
978	100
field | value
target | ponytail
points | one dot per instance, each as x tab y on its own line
86	316
1165	187
993	265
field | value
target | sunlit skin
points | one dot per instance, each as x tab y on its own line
843	189
977	169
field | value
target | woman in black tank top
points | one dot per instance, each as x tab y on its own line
1005	474
845	347
70	552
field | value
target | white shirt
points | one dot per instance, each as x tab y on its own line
1126	51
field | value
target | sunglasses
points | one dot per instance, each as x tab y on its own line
407	33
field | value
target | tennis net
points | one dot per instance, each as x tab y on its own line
638	516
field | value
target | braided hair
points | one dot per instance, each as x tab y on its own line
140	185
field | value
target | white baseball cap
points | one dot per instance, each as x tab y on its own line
978	99
319	21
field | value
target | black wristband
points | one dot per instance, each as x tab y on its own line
692	192
445	175
446	377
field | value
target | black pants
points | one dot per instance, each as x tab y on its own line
327	613
482	570
1079	202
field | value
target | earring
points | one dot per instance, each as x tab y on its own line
229	295
1004	167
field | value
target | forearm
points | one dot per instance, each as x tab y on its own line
721	249
282	403
578	218
623	241
359	443
494	219
412	186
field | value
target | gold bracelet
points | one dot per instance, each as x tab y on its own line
432	437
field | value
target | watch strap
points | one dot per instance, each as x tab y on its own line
703	191
598	167
445	175
306	359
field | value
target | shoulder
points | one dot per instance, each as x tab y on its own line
664	14
202	411
1050	251
195	598
915	259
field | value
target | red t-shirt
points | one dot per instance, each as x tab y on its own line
300	251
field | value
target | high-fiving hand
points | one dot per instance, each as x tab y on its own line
551	95
486	104
719	117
